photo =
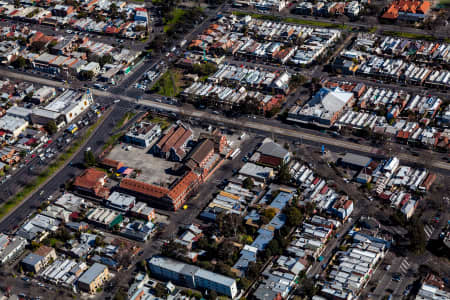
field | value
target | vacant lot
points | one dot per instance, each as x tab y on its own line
169	84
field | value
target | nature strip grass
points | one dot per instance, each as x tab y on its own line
408	35
47	173
128	116
293	20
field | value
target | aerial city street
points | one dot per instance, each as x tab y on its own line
225	149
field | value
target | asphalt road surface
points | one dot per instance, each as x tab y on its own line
262	126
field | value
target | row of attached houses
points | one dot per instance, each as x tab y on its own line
228	98
353	268
390	69
254	79
317	191
329	9
266	40
135	25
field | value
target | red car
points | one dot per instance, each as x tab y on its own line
33	156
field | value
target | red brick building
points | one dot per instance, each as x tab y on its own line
169	198
92	181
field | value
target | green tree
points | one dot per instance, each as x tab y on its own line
417	236
284	176
229	224
38	46
253	270
226	251
270	213
89	75
51	127
142	266
273	247
307	288
89	158
113	10
173	250
244	283
105	59
248	183
19	63
224	269
296	81
249	106
294	216
247	239
120	295
204	69
64	235
160	290
212	295
52	44
99	242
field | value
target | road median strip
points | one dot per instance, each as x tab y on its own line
409	35
53	168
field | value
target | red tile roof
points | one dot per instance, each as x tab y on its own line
89	179
111	29
164	139
179	132
324	190
406	6
112	163
182	140
151	190
347	204
269	160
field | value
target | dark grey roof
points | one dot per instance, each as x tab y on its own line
32	259
273	149
92	273
356	160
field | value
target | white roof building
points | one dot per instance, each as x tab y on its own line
70	104
121	201
13	125
323	109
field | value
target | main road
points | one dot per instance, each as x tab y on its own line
67	173
262	126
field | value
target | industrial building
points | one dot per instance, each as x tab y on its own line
192	276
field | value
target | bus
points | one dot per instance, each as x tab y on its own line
235	153
72	128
